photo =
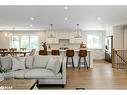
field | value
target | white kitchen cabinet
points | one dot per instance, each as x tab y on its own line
52	41
76	40
63	35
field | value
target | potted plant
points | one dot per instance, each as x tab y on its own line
3	72
43	44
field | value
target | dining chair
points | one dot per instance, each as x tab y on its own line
2	51
22	49
33	51
12	51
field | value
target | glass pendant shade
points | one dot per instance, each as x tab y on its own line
51	32
78	32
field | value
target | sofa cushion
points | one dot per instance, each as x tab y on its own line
18	64
29	62
20	73
40	61
41	73
6	62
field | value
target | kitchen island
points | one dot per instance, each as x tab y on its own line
89	57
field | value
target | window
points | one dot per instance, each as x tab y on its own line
93	41
15	42
28	42
96	39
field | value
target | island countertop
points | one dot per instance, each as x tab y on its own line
89	56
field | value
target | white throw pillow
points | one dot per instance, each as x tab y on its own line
18	64
40	61
6	62
29	62
54	65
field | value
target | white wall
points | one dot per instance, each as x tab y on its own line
125	37
118	37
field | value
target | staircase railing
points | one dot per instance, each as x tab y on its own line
119	59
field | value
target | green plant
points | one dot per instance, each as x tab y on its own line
3	70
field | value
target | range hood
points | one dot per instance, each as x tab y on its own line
64	43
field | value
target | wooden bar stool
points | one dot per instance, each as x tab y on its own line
55	52
43	52
82	54
70	53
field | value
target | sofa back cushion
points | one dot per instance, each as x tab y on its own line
6	62
29	62
40	61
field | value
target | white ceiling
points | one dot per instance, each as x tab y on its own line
85	16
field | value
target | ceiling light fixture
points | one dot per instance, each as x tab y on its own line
65	7
31	18
31	25
78	32
99	18
66	18
107	24
51	32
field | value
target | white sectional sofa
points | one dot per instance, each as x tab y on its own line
42	68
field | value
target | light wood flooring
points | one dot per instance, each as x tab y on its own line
101	77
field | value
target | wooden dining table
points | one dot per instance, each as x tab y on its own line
14	52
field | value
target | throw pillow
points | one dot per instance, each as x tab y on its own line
29	62
6	62
40	61
18	64
53	65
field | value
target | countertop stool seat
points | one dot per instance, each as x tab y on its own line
43	52
70	54
55	52
82	54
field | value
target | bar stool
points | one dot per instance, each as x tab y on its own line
43	52
55	52
82	53
70	53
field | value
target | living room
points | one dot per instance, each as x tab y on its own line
63	47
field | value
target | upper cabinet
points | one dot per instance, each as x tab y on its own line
64	35
52	41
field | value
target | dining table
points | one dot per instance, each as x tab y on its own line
14	52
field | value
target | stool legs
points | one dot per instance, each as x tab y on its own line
72	62
85	62
79	62
67	62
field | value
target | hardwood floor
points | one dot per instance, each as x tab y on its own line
101	77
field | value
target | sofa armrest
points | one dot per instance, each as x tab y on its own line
64	70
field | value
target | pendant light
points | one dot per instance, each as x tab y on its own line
51	32
78	32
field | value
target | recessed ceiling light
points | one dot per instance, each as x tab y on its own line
32	18
107	24
66	18
31	25
99	18
65	7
